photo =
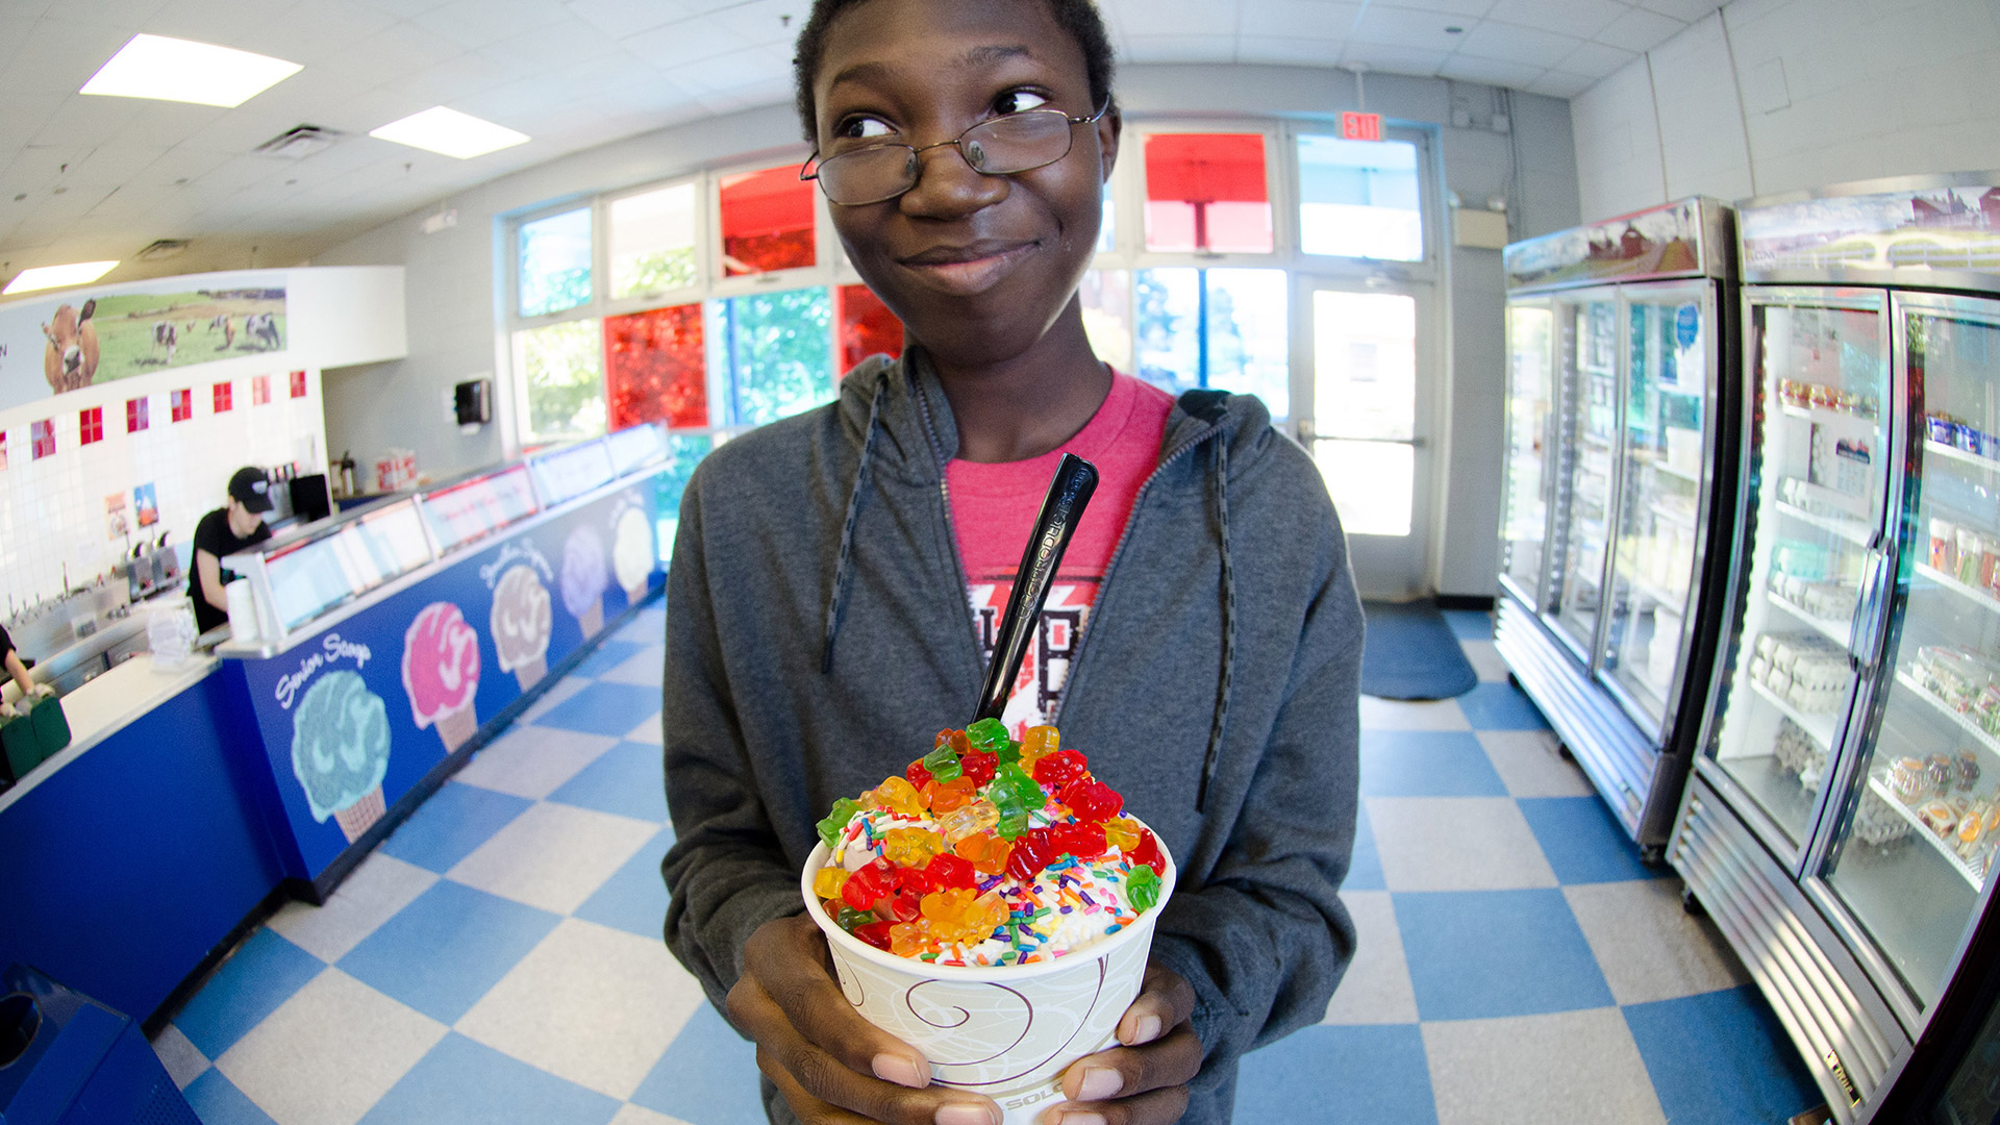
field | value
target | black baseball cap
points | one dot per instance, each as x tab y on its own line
251	488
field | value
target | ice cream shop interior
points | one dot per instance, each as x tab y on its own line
356	357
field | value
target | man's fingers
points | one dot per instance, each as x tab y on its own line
1165	1001
1156	1107
791	964
1125	1071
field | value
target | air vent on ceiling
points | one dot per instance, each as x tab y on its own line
161	248
299	142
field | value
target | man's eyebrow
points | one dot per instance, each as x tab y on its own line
977	56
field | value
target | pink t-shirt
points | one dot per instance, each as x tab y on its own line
995	505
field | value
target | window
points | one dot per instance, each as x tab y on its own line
260	390
220	395
180	405
773	353
555	263
297	384
1359	199
1107	300
1219	328
136	414
654	369
42	439
90	425
652	241
1366	382
868	327
766	221
1207	192
561	368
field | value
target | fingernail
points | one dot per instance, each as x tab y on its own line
1099	1084
1146	1029
1080	1117
897	1068
965	1113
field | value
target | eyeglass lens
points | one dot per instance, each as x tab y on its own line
1005	145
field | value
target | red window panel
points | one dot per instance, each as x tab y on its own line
3	449
298	384
42	438
655	369
223	395
866	326
260	390
138	415
1207	191
181	405
90	425
767	220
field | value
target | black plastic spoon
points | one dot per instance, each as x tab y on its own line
1064	504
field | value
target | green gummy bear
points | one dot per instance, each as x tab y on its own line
830	828
1014	821
987	735
849	918
1010	754
1143	888
943	763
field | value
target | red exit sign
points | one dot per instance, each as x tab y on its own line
1362	126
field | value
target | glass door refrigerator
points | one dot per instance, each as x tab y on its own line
1620	458
1841	823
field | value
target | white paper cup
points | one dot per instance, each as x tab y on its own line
1006	1031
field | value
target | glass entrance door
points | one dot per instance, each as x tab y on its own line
1918	840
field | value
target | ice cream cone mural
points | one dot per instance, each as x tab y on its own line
441	672
584	580
340	751
632	554
520	625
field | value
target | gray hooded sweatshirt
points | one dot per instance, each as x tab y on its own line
819	635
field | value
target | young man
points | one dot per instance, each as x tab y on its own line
238	524
818	599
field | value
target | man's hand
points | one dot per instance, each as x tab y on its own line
832	1066
1146	1081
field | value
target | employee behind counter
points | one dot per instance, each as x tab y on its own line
238	524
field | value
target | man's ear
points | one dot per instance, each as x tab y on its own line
1108	142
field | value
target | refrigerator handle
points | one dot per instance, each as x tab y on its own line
1866	624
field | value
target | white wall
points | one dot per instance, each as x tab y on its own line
1767	96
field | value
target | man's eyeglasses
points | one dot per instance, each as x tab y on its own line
999	146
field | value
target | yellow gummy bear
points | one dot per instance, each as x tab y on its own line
830	880
911	847
1123	832
1036	742
908	939
897	795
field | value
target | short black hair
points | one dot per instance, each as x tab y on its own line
1077	17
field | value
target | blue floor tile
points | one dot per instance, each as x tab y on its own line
1403	763
1721	1056
442	952
1501	707
1483	954
264	973
634	899
1469	624
709	1076
455	820
623	781
460	1082
1365	868
1364	1075
607	709
610	653
1583	842
217	1101
648	627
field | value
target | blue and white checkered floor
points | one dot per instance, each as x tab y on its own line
499	959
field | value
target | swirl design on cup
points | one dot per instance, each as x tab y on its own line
1028	1017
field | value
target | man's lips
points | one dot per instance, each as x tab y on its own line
967	269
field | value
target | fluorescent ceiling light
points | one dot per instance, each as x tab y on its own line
55	277
179	70
449	132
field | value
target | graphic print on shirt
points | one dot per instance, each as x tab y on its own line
1032	700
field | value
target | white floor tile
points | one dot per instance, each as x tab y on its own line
1401	714
1489	667
329	1053
1530	765
1377	986
647	732
630	1114
184	1061
553	856
533	762
644	668
557	692
1648	946
376	890
1534	1070
1456	844
594	1005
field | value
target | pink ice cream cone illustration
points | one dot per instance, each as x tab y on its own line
584	580
520	625
441	672
632	554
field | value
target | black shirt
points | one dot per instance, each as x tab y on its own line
213	535
6	646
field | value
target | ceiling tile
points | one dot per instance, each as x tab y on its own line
1579	19
1639	30
1473	9
36	168
547	48
222	22
692	40
1494	72
57	56
312	31
1559	84
404	9
622	18
767	22
1394	60
1179	48
1289	50
1403	27
476	23
1595	60
182	162
1509	43
26	115
1688	11
397	50
447	82
1310	19
86	120
733	71
109	166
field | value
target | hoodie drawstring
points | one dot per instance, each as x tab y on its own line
1221	479
837	597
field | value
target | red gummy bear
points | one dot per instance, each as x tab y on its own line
1091	799
1084	840
1147	851
904	904
918	880
979	767
949	870
876	933
1034	850
864	887
1060	769
917	774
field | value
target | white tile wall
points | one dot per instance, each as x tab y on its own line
52	511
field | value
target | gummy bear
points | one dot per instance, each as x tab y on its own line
904	904
830	828
908	939
1090	799
1143	888
899	796
955	739
829	881
978	815
852	919
979	767
911	847
868	884
917	774
1020	786
945	796
1083	839
986	913
1060	769
1148	851
1122	832
919	879
988	854
1036	742
876	933
950	870
1033	852
943	762
987	735
1013	823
